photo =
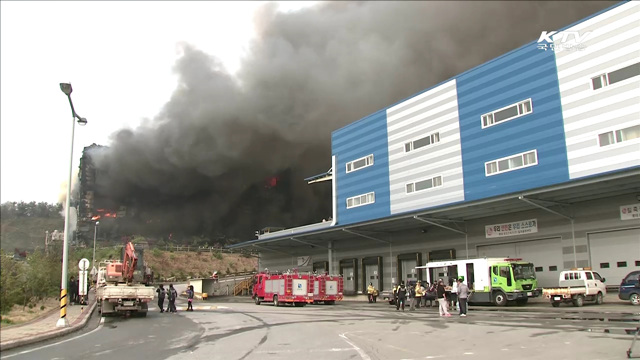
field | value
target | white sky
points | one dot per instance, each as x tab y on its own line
117	55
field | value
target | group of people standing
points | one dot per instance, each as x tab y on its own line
456	292
172	294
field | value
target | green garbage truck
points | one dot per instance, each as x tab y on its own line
491	280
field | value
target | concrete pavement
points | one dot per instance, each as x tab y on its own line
44	328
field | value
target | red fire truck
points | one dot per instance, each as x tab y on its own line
327	289
289	287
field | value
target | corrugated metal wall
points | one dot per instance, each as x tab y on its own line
364	137
613	44
526	73
430	113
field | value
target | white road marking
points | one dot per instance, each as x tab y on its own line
54	344
303	351
362	354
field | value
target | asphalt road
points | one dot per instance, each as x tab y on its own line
348	330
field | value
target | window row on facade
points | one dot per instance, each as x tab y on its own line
507	113
360	200
618	136
510	163
422	142
610	78
360	163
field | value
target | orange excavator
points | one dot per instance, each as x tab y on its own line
118	290
122	272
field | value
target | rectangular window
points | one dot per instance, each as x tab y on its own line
358	164
514	162
604	265
622	264
507	113
422	142
616	76
617	136
624	73
361	200
553	268
539	268
599	81
424	184
637	262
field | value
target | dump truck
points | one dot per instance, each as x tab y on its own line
119	290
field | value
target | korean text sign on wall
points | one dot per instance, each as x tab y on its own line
630	212
512	228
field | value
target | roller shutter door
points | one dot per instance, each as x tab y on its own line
545	254
614	254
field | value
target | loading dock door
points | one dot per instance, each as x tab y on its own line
545	254
409	270
614	254
372	275
407	267
349	272
349	279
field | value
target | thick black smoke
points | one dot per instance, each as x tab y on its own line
199	168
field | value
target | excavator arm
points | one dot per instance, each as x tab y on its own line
130	262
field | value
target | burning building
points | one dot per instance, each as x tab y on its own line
93	203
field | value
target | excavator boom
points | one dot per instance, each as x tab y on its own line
130	262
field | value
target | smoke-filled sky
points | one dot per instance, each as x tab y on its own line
200	164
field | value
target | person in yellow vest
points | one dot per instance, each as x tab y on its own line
417	298
371	290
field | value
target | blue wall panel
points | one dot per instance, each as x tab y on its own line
359	139
528	72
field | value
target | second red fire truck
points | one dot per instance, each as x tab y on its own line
327	289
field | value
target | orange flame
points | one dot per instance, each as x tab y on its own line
97	217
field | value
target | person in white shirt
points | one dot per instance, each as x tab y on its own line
454	293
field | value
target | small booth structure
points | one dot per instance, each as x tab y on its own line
203	288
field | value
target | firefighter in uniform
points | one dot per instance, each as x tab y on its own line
402	296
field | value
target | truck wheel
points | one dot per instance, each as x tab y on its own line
331	302
578	300
298	304
555	303
144	308
522	302
257	300
499	298
275	300
635	299
599	299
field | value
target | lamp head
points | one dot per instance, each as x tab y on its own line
66	88
82	121
97	223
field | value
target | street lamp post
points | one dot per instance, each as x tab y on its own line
62	321
95	235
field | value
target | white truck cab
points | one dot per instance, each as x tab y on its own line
576	286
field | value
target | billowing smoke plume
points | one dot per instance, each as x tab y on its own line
200	166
